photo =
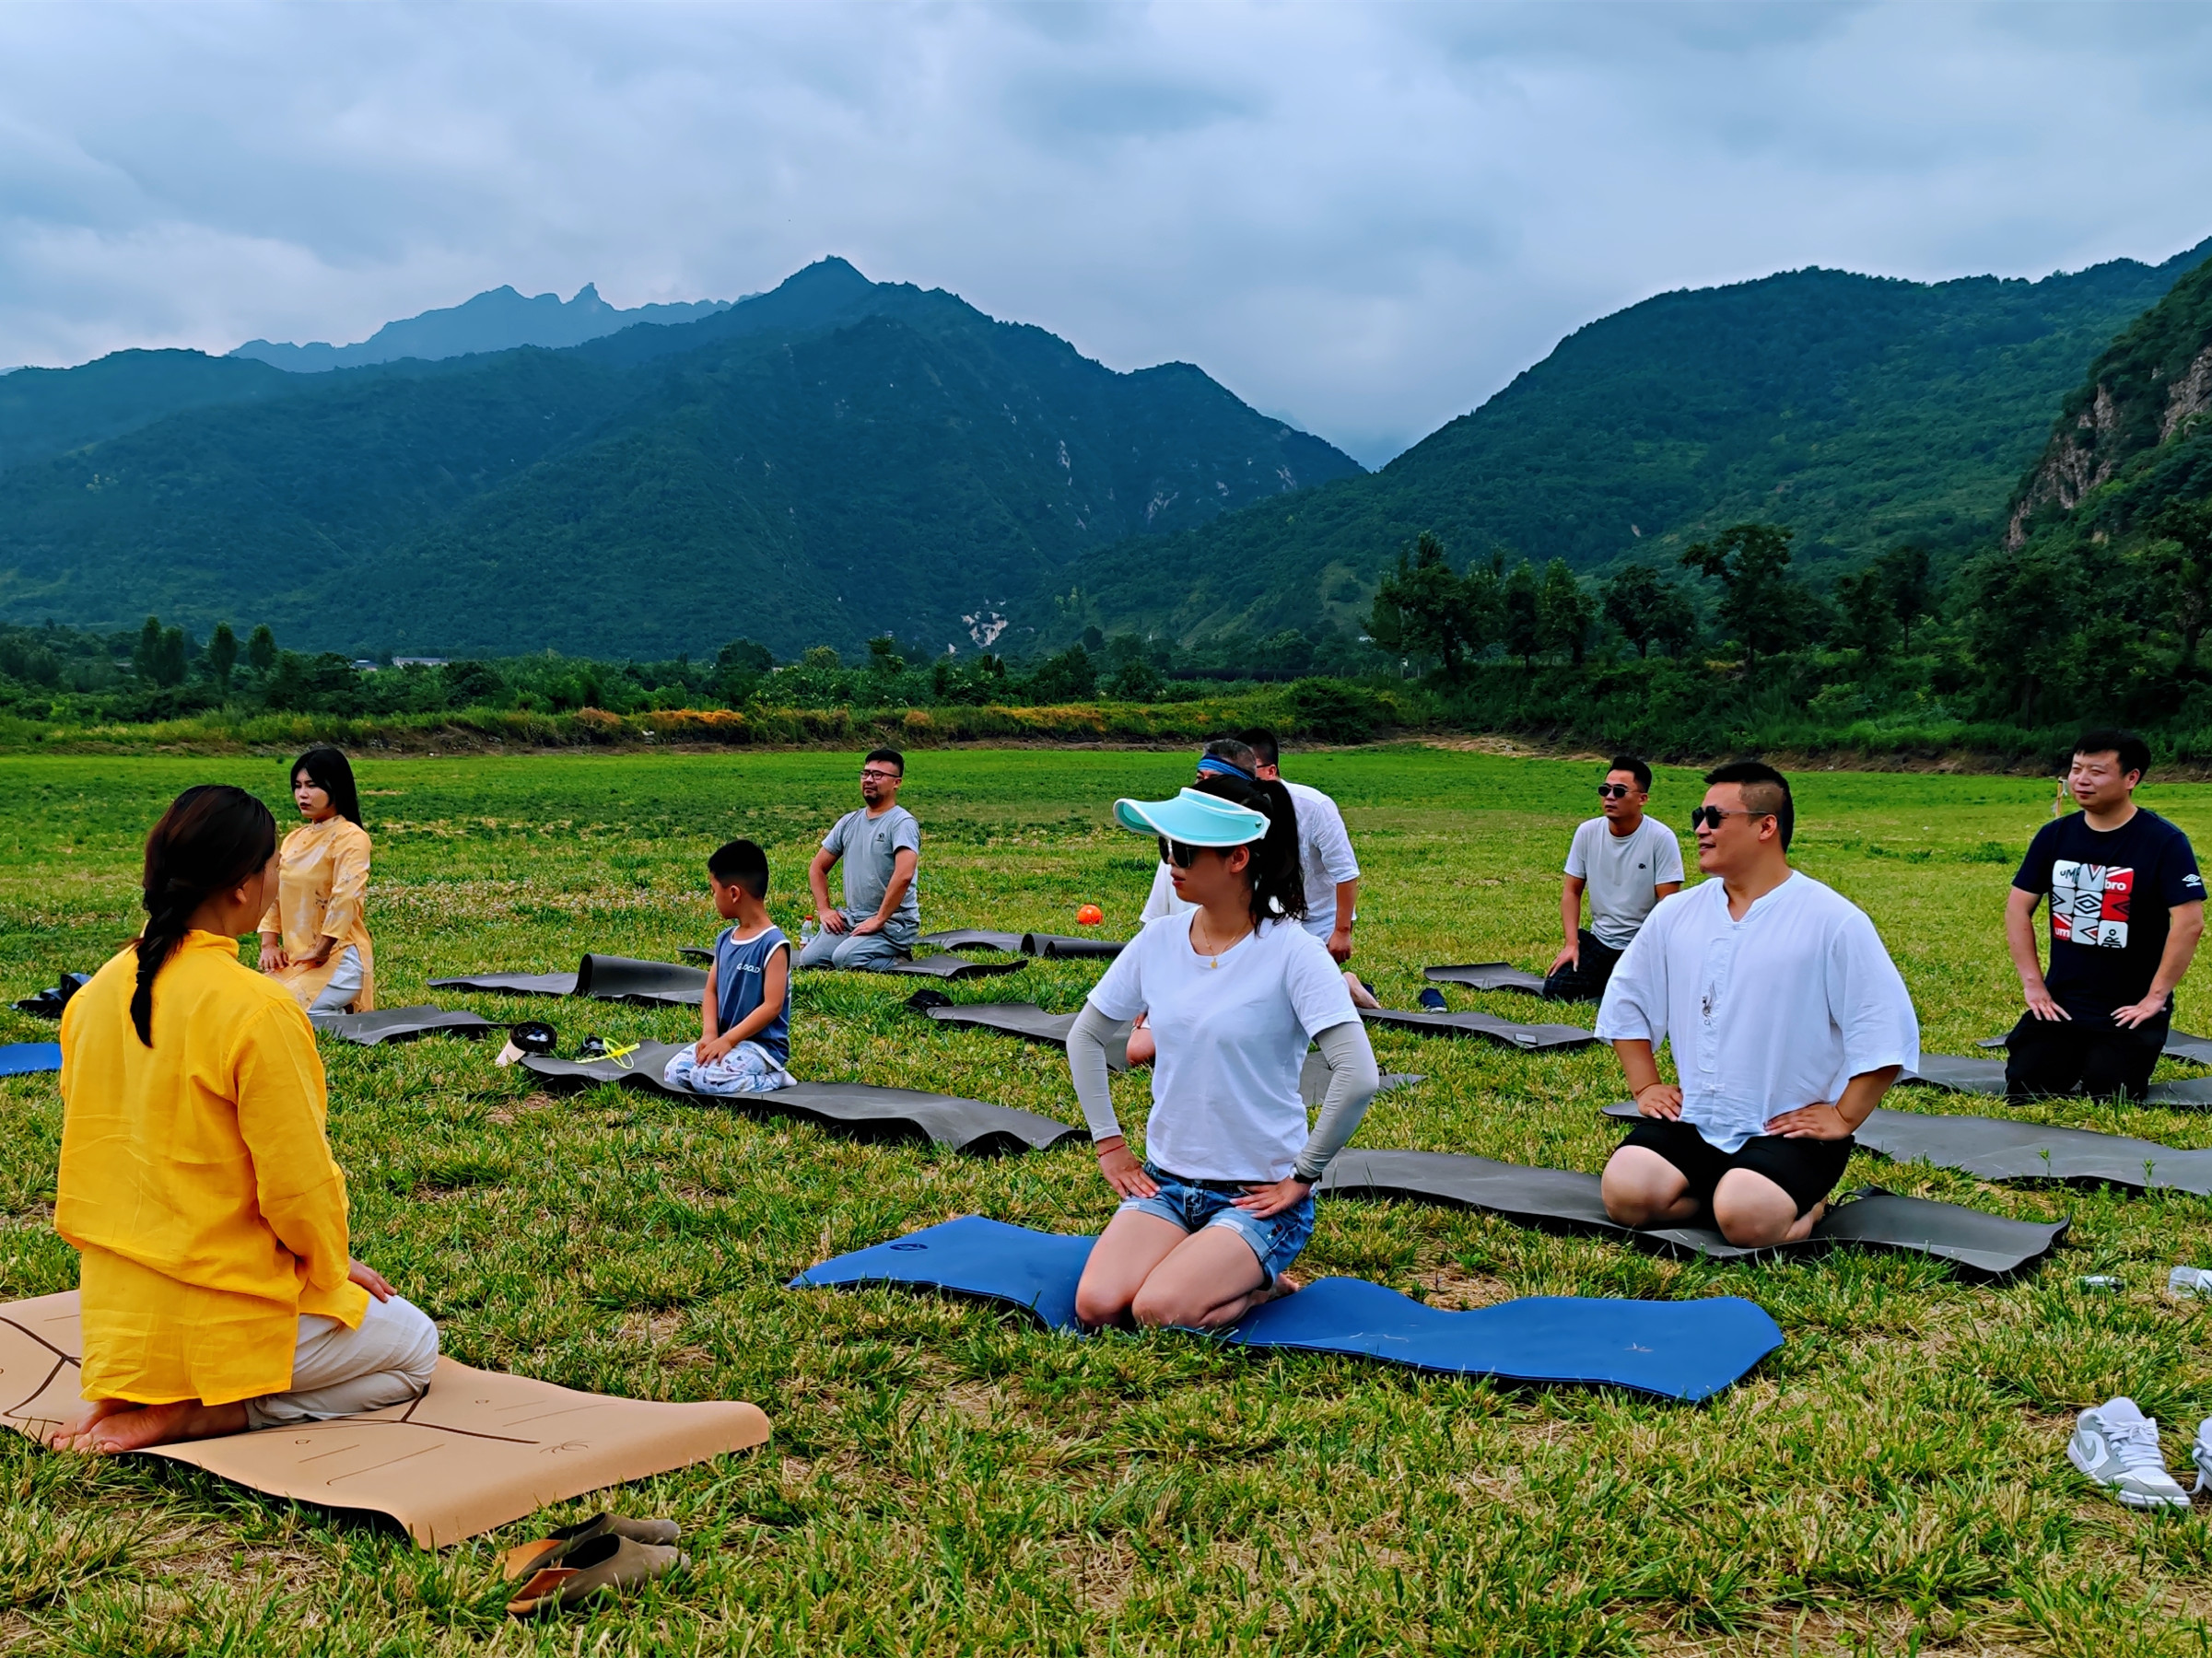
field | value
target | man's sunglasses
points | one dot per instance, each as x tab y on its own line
1613	791
1178	854
1701	815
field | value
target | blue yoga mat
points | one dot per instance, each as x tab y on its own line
1678	1350
21	1058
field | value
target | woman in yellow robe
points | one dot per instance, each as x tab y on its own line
314	939
217	1286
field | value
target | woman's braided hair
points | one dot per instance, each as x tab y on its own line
1278	884
212	838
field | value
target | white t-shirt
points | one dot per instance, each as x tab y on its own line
1620	872
1233	1033
1776	1010
1325	856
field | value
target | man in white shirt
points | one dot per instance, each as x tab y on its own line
1627	862
1325	856
1786	1018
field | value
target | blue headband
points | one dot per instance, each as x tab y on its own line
1211	767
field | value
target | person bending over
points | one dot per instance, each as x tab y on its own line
1235	989
1325	862
314	937
881	845
1627	862
744	1041
2127	909
1787	1020
196	1184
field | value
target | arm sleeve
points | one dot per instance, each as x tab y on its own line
1353	1080
2034	873
1666	860
2177	873
349	887
1634	1007
280	1117
1577	865
1087	1038
1867	1000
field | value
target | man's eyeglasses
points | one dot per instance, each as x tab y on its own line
1613	791
1701	815
1176	853
878	773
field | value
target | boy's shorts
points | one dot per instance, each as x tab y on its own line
746	1068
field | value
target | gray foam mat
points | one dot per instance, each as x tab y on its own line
1530	1038
601	977
401	1024
2179	1045
1487	975
1955	1073
1565	1199
1054	946
950	967
1028	1022
2000	1149
973	1127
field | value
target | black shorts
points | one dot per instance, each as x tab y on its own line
1805	1169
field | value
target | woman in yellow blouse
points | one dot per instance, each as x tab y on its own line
314	939
217	1288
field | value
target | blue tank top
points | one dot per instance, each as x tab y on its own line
739	972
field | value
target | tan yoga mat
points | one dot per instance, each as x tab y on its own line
476	1451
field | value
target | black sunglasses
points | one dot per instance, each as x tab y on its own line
1701	815
1613	791
1178	854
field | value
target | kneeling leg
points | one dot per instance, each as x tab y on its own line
1133	1244
1642	1188
1752	1212
1212	1279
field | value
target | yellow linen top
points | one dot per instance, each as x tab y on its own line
321	888
196	1183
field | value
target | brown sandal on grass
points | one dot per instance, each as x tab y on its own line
527	1557
607	1564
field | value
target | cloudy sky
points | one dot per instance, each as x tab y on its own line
1363	218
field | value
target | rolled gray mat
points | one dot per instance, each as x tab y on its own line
1533	1038
949	967
401	1024
974	937
601	977
1487	975
1057	946
2000	1149
973	1127
1565	1199
2179	1045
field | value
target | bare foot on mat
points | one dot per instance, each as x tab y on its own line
139	1427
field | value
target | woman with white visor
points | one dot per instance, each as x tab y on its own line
1235	989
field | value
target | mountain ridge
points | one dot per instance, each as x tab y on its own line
497	319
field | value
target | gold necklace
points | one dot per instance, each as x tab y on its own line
1213	957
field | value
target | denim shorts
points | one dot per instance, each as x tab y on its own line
1195	1205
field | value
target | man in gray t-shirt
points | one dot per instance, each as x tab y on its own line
880	847
1626	862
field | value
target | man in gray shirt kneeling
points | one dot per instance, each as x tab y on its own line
881	845
1627	862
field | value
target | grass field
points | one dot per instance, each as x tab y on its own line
944	1479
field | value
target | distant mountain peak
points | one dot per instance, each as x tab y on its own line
497	319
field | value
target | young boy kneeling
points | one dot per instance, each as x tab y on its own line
745	1018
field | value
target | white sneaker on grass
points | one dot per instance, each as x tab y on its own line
2116	1445
2201	1454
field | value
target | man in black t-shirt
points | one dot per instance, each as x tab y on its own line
2128	908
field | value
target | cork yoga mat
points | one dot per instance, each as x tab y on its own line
475	1450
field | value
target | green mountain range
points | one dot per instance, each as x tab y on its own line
830	460
1861	411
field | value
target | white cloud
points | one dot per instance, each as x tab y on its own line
1365	218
